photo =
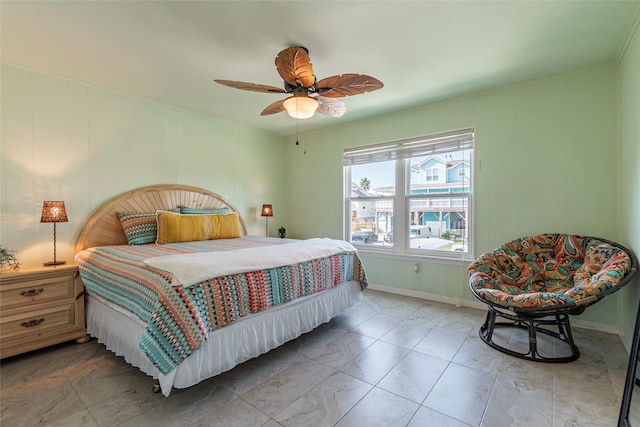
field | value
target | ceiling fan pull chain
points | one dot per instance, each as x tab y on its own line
297	137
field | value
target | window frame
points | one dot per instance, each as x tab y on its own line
402	198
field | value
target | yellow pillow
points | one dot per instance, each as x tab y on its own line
173	227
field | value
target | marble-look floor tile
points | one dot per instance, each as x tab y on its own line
318	338
441	343
461	319
595	346
281	390
380	408
414	376
522	395
461	393
81	418
401	306
22	368
378	325
617	367
104	376
339	351
234	413
426	417
432	313
41	400
326	403
255	371
583	395
374	362
600	416
353	317
382	300
72	350
634	409
476	354
136	399
184	407
370	300
407	333
597	341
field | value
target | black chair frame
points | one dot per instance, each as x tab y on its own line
533	324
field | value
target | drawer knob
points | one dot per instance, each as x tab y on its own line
31	292
32	323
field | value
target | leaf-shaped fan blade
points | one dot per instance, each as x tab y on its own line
251	86
347	85
295	68
331	107
274	108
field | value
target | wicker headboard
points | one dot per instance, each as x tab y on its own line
104	227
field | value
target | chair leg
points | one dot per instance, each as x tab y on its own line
533	340
533	326
486	330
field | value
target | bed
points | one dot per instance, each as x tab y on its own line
197	303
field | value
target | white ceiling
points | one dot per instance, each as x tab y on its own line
170	51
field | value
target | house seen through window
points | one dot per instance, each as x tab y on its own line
412	196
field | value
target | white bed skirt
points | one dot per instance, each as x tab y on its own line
225	348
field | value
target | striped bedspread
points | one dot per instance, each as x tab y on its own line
179	318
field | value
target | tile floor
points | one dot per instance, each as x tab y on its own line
390	361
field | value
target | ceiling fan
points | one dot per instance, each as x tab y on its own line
307	94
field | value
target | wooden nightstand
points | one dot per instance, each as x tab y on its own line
40	307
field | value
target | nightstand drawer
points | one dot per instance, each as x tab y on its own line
35	291
20	323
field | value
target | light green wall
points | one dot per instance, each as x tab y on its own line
629	211
546	161
63	140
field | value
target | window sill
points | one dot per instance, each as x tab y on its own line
407	256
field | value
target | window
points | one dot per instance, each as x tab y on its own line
371	210
431	174
411	196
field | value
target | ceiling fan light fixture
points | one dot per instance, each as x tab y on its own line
300	107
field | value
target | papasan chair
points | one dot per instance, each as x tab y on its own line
535	283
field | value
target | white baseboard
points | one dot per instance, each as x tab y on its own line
459	302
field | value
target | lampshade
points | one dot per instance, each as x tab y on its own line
54	212
300	107
267	210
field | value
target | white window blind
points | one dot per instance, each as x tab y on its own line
422	146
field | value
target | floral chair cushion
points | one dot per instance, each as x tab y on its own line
548	270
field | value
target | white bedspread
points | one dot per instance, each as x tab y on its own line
188	269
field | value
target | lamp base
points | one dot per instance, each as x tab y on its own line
52	263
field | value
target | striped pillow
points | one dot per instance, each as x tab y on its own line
140	228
